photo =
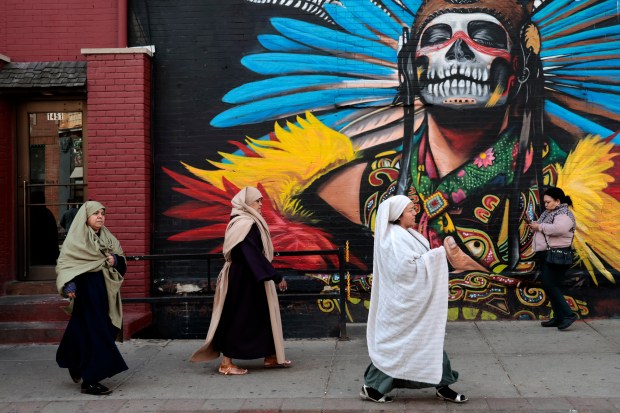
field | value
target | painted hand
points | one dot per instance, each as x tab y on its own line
458	259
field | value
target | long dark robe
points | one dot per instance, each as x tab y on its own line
88	344
244	331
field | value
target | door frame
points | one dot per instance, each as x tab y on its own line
25	271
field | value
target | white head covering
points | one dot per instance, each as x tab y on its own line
389	211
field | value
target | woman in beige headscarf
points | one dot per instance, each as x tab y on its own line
90	272
245	322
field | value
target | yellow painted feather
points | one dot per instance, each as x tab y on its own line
584	177
287	166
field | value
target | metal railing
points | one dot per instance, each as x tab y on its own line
341	295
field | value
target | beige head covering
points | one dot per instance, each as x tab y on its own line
244	217
250	193
85	251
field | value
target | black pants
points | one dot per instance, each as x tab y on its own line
552	277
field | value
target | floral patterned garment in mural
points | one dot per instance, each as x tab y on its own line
470	203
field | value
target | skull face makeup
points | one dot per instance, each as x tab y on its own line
463	60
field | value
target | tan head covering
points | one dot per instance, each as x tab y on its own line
251	195
85	251
244	217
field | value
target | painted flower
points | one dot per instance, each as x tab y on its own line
485	159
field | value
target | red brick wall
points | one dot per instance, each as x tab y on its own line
7	207
119	154
56	30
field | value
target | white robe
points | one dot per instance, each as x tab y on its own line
408	305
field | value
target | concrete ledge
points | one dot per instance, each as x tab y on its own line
149	50
135	320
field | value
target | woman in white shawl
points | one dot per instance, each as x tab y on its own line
90	272
245	322
408	309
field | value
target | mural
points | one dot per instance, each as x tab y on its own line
469	107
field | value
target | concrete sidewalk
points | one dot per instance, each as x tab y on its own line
504	366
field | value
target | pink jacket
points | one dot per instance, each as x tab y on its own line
558	234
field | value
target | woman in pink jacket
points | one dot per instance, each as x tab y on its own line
555	228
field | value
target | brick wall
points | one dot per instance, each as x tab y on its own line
46	30
119	154
7	204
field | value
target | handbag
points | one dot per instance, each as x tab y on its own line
558	256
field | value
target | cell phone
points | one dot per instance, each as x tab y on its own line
529	216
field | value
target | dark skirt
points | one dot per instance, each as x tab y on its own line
244	330
378	380
88	345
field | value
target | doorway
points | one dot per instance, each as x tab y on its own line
51	143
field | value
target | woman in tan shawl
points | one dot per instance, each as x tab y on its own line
90	271
245	322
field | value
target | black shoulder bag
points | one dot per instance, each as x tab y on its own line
558	256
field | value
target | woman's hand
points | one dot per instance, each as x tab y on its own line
69	289
110	259
282	285
535	226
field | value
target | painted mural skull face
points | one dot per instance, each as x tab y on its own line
463	61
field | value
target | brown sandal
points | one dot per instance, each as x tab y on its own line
231	370
272	362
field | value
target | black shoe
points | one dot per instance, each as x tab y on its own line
550	323
368	393
75	375
566	322
446	393
96	389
